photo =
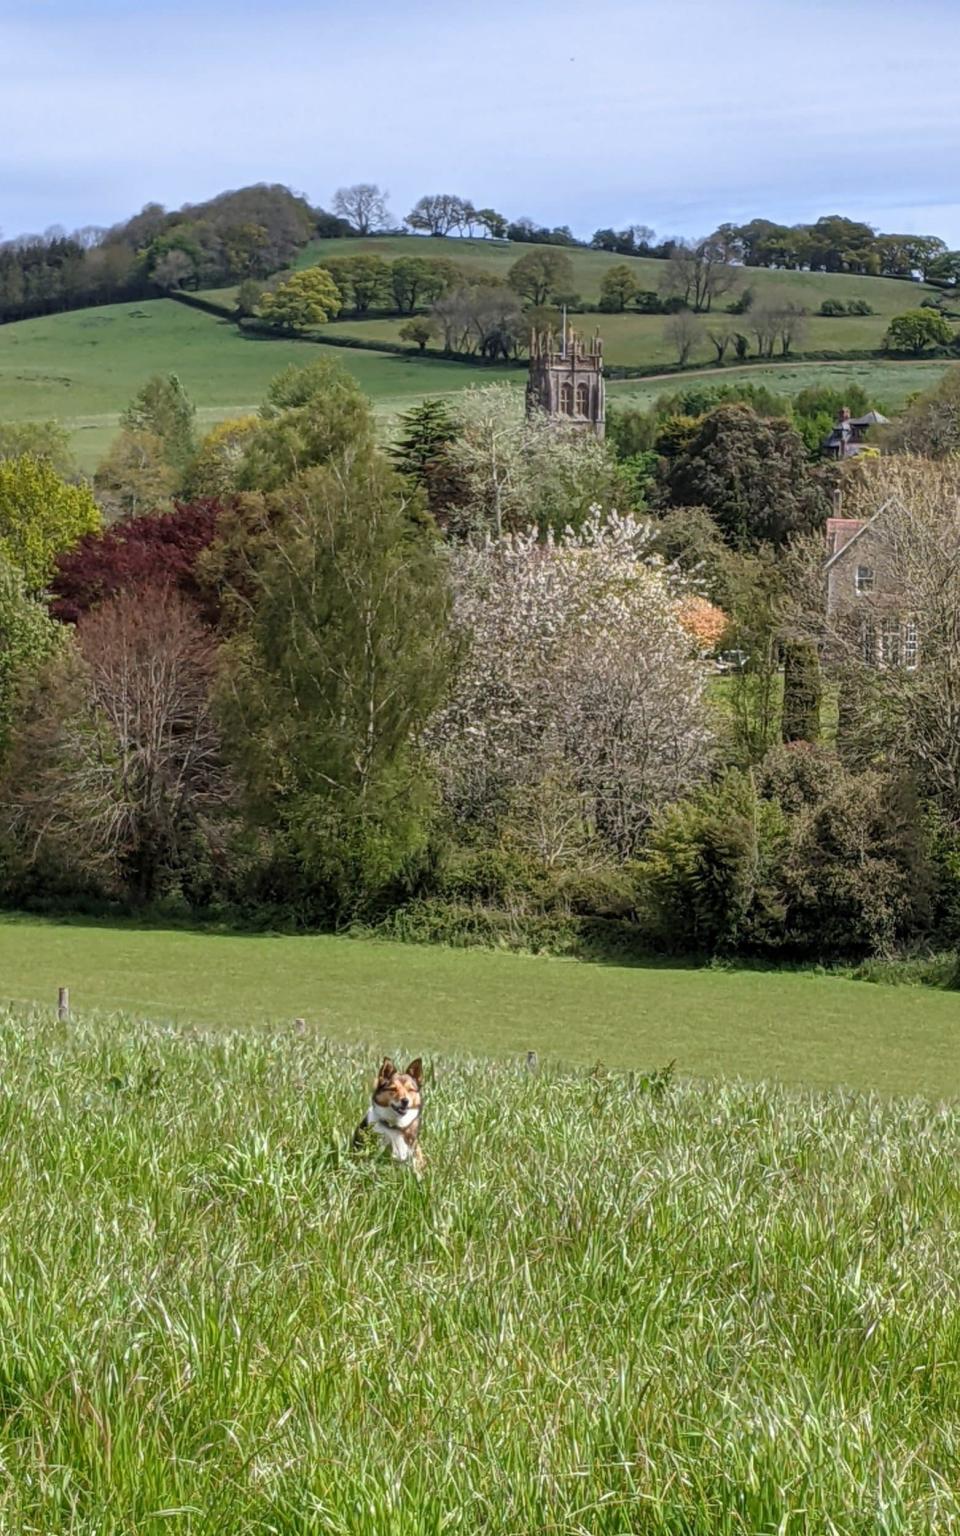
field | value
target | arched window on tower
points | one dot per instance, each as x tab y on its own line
583	398
566	398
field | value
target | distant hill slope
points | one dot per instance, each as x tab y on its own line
84	366
887	295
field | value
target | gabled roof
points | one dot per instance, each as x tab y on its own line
863	528
872	419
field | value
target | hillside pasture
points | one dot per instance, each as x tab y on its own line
608	1307
888	296
890	383
84	366
794	1027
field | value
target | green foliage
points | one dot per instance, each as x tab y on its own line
709	878
618	288
540	276
163	408
249	295
423	433
40	515
325	696
753	475
303	300
28	638
310	416
802	692
136	475
918	329
44	439
419	330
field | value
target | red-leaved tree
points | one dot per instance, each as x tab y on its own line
157	550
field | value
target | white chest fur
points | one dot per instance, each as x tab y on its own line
389	1130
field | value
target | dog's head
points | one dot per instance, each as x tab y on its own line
397	1096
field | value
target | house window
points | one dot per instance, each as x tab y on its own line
865	581
890	643
583	398
868	643
911	643
566	399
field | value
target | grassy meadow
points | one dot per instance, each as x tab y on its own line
84	366
814	1030
890	383
710	1310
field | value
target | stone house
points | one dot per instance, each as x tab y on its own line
847	438
862	596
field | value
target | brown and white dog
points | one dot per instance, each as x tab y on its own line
394	1113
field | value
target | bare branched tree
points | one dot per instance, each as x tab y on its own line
119	763
683	332
699	272
364	206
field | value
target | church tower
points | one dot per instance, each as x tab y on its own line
566	379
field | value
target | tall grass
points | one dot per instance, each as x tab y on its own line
716	1309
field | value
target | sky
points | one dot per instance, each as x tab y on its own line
674	113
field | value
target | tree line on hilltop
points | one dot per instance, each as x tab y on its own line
257	231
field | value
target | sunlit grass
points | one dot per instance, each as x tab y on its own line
725	1309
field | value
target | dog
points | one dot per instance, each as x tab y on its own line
394	1113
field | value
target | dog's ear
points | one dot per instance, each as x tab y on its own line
415	1070
387	1070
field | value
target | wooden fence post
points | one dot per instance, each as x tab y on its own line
531	1061
63	1004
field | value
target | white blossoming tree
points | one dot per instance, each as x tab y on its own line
577	667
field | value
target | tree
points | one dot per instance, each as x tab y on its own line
493	222
175	269
28	638
162	407
310	416
302	301
752	473
703	621
415	280
618	288
437	213
327	696
576	666
425	433
539	275
363	206
918	329
699	272
420	331
682	332
802	692
48	440
216	467
930	425
117	768
512	472
249	295
720	334
133	556
362	280
135	476
40	515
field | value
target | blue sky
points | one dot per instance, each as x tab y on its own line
674	114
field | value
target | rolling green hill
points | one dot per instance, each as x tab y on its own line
83	367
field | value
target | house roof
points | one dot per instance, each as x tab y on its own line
843	531
861	529
872	419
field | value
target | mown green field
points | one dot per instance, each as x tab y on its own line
83	367
710	1311
795	1027
889	383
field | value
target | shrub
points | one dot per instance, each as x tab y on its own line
832	307
711	873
